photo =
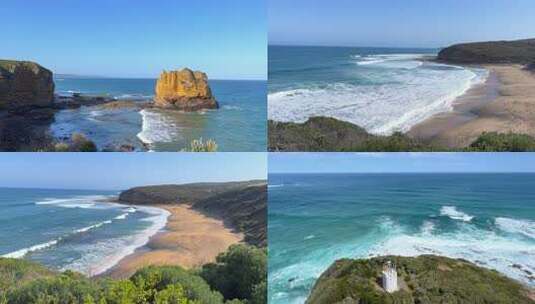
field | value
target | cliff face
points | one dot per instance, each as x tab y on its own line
25	84
423	279
241	205
184	90
244	209
519	51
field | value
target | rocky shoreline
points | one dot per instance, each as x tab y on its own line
28	105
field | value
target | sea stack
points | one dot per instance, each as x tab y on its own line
25	84
184	90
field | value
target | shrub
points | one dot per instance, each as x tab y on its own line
173	294
154	278
64	288
237	271
500	142
198	145
259	295
80	143
122	292
61	147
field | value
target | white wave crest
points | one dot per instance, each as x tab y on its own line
157	128
22	252
82	201
121	217
511	257
98	258
453	213
397	102
516	226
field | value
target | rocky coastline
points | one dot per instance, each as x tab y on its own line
28	104
422	279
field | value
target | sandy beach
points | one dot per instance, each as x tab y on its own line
504	103
190	239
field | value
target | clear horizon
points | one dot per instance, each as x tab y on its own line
120	171
404	24
400	163
139	39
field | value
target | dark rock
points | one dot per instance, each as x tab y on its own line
25	84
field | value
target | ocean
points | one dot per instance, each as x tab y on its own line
75	230
314	219
383	90
239	125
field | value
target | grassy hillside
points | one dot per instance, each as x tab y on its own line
329	134
519	51
324	134
425	279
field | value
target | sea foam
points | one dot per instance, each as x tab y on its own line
400	91
453	213
100	257
517	226
157	128
485	248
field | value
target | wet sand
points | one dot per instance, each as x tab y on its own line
191	239
504	103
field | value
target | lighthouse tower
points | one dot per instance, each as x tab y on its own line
390	277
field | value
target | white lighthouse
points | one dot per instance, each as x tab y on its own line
390	277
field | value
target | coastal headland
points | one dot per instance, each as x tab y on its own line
494	116
212	250
423	279
205	219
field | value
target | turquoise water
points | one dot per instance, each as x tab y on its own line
488	219
73	229
381	89
239	125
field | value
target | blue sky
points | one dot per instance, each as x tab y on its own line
400	162
138	38
117	171
398	23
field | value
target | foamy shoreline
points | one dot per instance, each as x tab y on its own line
504	103
190	239
159	219
425	89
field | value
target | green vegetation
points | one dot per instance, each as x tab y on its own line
500	142
24	282
77	143
519	51
239	273
328	134
424	280
198	145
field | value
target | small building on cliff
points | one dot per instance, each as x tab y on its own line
390	277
